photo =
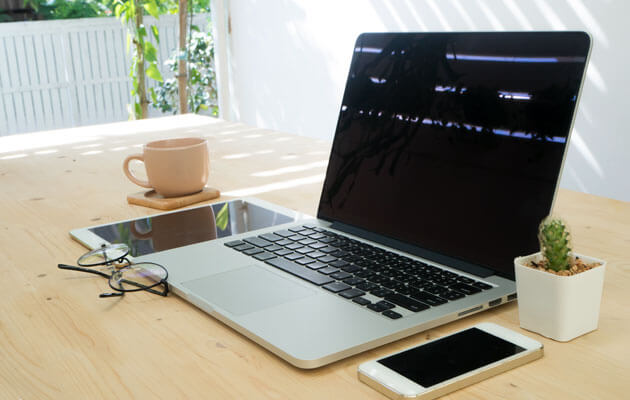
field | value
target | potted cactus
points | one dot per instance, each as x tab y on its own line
559	292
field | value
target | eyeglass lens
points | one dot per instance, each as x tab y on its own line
138	276
104	255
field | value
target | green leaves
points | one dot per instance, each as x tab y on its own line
154	73
202	91
150	53
145	56
156	33
223	217
152	8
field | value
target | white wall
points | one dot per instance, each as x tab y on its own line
289	59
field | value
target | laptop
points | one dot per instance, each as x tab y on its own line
446	156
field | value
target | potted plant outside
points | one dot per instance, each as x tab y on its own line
559	292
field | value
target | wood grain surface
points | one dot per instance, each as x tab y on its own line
59	340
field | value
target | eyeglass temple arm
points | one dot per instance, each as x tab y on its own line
88	270
97	272
149	289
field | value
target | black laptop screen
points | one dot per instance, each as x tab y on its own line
453	142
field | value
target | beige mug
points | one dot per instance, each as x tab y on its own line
175	167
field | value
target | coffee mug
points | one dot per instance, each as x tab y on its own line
175	167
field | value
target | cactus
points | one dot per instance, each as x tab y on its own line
554	239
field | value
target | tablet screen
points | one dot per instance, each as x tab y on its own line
166	231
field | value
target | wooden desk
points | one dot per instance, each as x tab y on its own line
59	340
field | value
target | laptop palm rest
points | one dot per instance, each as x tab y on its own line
259	289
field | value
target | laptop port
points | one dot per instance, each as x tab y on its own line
495	302
511	297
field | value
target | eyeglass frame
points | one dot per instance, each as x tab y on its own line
120	260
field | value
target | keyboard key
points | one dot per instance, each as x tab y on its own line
336	287
307	232
304	250
284	233
367	286
361	300
270	237
273	248
428	298
234	243
366	274
283	252
351	268
404	289
328	270
294	246
252	251
316	254
328	249
317	265
380	279
442	281
341	275
463	288
464	279
296	238
452	295
450	274
436	290
351	293
406	302
353	281
243	247
264	256
293	256
327	259
306	242
339	253
381	292
392	284
297	229
300	271
391	314
256	241
317	236
380	306
339	263
304	260
317	245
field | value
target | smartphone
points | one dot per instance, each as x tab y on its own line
449	363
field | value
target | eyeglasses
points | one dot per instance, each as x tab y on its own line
122	274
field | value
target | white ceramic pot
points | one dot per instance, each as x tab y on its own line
558	307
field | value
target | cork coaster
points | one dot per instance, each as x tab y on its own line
153	200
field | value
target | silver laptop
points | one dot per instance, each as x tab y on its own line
446	156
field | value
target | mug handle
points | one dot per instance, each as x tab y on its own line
130	175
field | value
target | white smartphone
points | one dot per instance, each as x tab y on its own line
449	363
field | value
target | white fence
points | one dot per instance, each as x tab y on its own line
65	73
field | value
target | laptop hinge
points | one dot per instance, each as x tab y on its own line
464	266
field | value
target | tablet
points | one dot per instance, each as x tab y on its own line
151	234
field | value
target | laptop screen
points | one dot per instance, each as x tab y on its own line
454	142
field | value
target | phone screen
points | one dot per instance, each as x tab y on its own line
446	358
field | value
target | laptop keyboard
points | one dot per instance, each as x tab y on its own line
352	269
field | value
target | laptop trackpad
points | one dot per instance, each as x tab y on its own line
247	289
